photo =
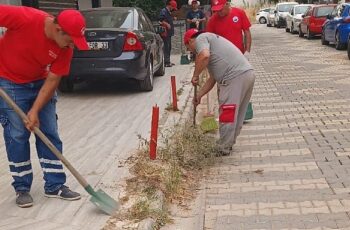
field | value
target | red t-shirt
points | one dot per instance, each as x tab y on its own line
230	27
26	54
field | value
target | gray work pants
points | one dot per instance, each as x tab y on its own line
234	97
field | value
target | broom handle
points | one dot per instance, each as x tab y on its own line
195	106
42	136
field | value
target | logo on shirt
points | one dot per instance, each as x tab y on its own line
235	19
52	54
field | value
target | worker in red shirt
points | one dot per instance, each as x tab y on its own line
36	52
231	23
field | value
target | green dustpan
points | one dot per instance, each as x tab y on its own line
184	59
209	124
103	201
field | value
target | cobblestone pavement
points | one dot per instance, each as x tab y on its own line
291	165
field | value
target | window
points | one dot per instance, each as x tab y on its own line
301	9
109	19
323	11
284	7
143	22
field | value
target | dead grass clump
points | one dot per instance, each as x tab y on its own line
185	152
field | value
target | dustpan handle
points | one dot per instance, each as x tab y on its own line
42	136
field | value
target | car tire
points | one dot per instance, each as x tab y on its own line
349	48
66	85
308	34
262	20
338	44
323	39
147	83
161	70
301	34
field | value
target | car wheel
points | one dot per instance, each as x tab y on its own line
323	39
262	20
301	34
349	48
66	85
338	44
161	70
147	83
308	34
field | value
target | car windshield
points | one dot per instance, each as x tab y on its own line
109	19
285	7
301	9
324	11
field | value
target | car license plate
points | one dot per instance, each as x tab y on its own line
98	45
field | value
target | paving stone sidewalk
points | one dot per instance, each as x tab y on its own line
291	165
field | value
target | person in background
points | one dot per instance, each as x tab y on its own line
30	73
195	17
166	21
231	23
235	80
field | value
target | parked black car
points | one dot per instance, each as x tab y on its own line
124	44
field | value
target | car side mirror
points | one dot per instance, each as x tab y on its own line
275	11
159	29
328	16
303	16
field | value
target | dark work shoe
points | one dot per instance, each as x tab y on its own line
24	199
168	65
63	193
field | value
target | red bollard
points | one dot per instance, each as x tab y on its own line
173	88
154	133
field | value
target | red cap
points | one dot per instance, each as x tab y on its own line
194	2
73	23
190	34
217	5
173	4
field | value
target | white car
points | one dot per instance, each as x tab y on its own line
261	16
294	17
281	12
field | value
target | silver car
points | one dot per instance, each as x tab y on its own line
294	17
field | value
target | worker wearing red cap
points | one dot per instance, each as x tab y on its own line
234	76
36	52
166	20
231	23
195	17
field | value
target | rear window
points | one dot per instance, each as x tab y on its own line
285	7
301	9
109	19
323	11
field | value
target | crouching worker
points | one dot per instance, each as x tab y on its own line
229	68
35	52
